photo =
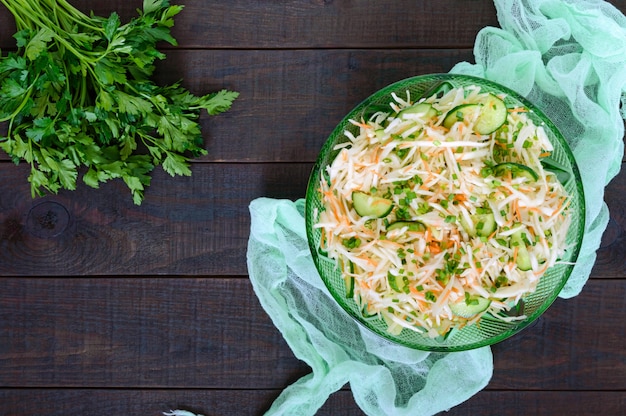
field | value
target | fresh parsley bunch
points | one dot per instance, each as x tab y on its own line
77	96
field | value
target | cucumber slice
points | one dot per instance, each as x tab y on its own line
365	313
514	310
562	173
523	257
395	283
411	225
492	116
439	90
517	170
460	113
465	310
367	205
349	281
483	225
374	108
426	111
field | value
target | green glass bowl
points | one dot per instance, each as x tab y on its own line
490	330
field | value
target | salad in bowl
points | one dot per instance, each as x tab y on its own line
445	213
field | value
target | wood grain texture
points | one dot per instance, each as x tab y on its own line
187	226
611	261
63	402
212	333
141	333
276	24
298	24
569	348
542	403
107	308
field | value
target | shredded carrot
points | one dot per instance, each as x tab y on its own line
444	296
460	197
362	125
435	248
516	210
542	270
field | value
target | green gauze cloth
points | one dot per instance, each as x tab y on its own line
386	379
569	58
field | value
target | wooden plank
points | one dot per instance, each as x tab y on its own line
152	332
291	24
569	345
610	260
198	333
329	24
290	101
195	225
63	402
542	403
297	24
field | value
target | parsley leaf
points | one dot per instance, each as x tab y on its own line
38	43
78	96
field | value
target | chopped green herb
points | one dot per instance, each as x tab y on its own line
352	242
469	300
501	281
402	153
402	214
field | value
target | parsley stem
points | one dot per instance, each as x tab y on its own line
74	14
33	12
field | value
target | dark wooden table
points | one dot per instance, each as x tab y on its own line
107	308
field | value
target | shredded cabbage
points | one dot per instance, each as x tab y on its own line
444	179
